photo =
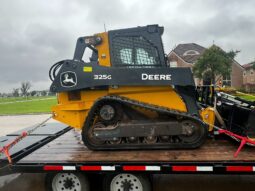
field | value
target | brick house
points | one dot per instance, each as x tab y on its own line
186	55
249	77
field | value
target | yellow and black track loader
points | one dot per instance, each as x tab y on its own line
127	97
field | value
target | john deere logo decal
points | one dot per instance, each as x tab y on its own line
68	79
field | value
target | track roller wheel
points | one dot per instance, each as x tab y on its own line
132	139
115	141
150	139
164	138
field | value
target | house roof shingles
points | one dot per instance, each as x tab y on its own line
182	48
249	65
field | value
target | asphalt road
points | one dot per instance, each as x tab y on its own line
32	182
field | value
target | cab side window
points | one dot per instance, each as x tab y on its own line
134	52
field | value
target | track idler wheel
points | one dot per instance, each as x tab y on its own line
191	131
93	139
110	113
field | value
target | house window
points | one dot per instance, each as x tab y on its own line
244	73
173	64
226	81
191	52
251	71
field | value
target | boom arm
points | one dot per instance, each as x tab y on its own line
83	43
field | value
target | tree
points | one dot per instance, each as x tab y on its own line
253	66
214	62
33	93
43	92
25	86
15	92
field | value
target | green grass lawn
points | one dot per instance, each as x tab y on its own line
13	99
32	105
247	97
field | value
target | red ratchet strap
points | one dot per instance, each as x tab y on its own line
243	140
6	148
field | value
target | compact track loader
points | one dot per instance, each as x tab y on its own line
127	97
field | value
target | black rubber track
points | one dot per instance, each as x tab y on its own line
139	146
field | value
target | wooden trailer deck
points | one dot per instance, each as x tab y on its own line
69	148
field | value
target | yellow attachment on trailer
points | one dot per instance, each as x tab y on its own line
208	116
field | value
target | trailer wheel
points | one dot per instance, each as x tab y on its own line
127	182
66	181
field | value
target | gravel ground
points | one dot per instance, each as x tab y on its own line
31	182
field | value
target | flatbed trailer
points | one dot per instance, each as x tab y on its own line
57	149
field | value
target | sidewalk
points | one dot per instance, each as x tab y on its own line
9	124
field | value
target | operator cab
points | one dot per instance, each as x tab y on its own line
133	48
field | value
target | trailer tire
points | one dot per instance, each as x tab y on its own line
66	181
116	182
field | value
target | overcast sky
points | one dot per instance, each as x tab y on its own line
35	34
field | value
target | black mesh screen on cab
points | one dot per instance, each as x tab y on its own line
134	51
